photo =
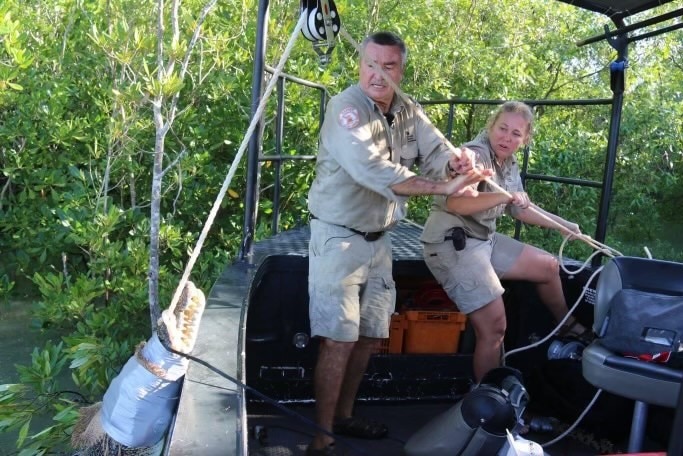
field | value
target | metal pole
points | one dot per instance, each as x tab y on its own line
676	439
251	197
617	71
635	439
632	27
279	134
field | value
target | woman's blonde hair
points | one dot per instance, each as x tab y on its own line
515	107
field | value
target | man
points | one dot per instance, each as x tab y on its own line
368	141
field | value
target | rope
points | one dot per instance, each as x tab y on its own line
559	325
576	422
458	151
608	251
233	167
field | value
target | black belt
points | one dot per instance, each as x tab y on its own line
370	236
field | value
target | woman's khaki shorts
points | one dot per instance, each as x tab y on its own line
471	277
350	284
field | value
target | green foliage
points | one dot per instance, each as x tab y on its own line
66	303
76	175
6	287
38	395
77	134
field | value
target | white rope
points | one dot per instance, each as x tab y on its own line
607	251
562	322
456	150
233	167
576	423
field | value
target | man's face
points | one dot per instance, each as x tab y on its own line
371	81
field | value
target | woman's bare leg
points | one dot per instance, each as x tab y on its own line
541	268
489	326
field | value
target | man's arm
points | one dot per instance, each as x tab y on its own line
459	185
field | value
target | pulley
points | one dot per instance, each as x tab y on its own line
321	26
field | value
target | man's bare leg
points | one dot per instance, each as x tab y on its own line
355	369
333	358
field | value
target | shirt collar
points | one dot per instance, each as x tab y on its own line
397	104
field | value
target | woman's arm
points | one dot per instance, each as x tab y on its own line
471	204
534	215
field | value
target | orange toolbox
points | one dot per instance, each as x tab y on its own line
425	331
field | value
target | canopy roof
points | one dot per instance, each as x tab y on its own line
617	9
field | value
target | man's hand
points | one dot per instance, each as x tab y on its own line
461	163
463	184
520	199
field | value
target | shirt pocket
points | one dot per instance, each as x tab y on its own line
408	144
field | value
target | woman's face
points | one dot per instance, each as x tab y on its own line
508	133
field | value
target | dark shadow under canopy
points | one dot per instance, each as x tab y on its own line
617	10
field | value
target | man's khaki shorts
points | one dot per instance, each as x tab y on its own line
471	277
350	284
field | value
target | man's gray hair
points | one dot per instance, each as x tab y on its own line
387	39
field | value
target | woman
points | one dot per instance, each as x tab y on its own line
468	258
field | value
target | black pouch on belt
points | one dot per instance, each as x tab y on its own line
458	237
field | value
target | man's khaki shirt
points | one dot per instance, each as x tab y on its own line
480	225
361	157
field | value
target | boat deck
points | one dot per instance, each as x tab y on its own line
274	433
211	405
211	414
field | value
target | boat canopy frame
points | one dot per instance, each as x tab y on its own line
619	39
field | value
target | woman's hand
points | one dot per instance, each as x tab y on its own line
570	229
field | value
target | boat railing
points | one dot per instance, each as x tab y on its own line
468	131
277	156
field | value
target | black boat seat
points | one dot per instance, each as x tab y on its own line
644	382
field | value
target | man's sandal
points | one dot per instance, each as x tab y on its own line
360	428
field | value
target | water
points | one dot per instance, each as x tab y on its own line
17	341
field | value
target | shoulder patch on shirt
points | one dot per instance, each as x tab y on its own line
349	118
